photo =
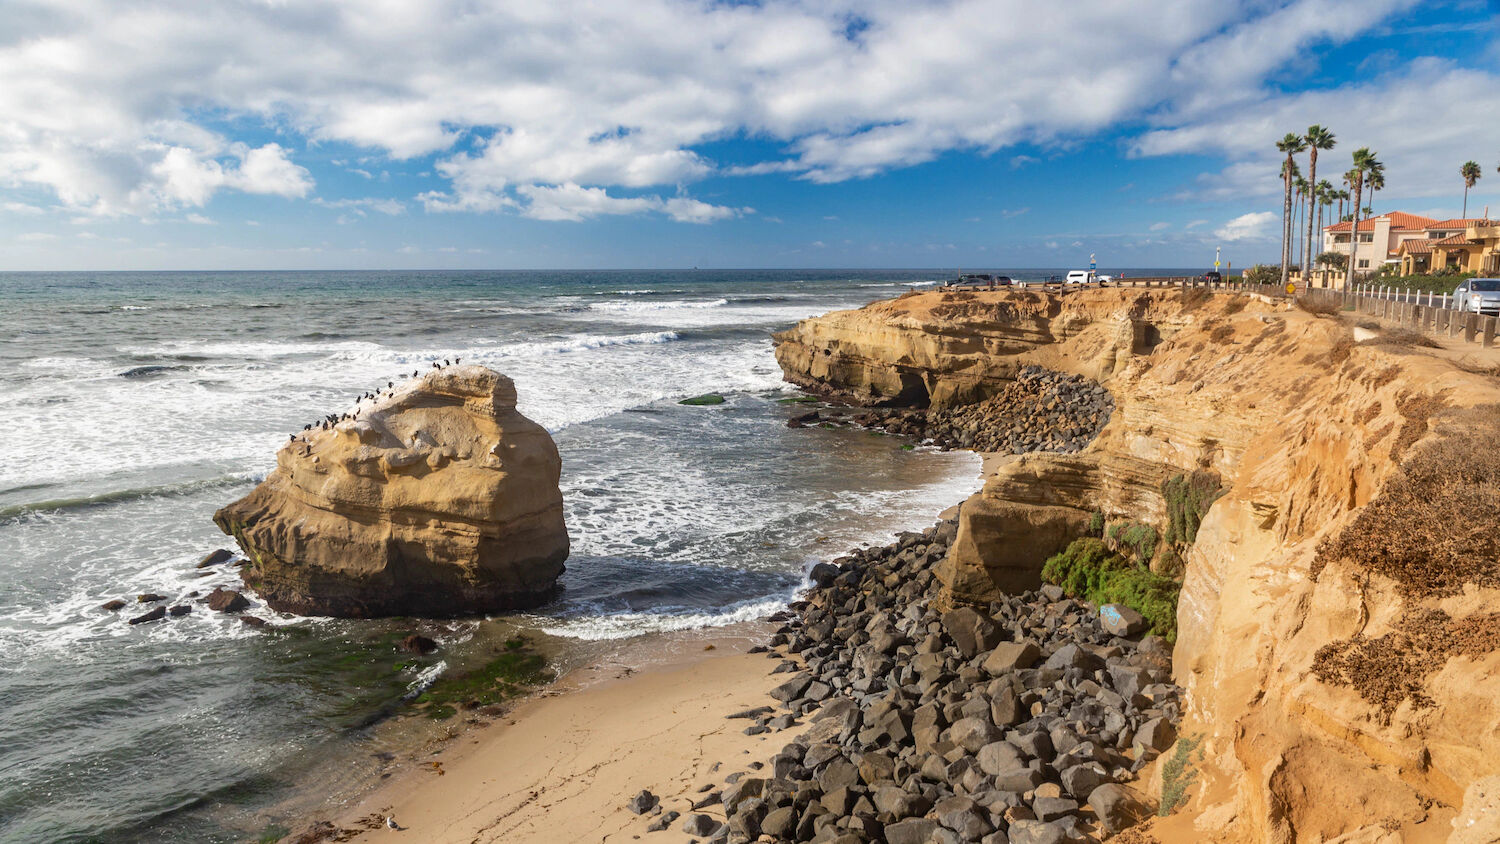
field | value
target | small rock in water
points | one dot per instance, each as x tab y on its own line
223	555
154	615
418	644
179	610
642	803
113	606
252	621
227	600
149	598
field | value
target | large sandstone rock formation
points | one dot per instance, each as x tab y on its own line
439	500
1337	636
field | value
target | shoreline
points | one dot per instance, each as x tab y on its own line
572	755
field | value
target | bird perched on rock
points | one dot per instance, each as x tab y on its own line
456	360
445	362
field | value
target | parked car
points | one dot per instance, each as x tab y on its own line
1480	295
1214	276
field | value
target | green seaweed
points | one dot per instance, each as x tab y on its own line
704	400
508	675
798	400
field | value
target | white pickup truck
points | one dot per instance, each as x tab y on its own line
1086	277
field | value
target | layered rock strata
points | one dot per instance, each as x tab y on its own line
439	499
1336	633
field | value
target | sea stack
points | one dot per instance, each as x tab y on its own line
440	500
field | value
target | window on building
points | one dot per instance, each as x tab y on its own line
1367	238
1364	263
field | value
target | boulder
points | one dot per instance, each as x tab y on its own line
179	610
642	803
438	500
223	555
149	598
701	826
972	631
910	831
113	606
153	615
1011	656
226	600
1119	806
1121	620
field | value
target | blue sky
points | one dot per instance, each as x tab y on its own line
656	133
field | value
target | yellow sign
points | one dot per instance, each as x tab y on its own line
1291	287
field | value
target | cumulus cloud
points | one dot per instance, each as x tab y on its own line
1257	225
1375	113
554	109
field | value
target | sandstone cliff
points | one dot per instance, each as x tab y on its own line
1336	637
440	499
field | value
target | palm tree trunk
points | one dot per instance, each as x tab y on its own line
1353	239
1312	179
1466	199
1286	225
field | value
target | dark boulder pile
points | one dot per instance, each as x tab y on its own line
1018	722
1041	410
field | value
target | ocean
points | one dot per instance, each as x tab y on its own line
139	403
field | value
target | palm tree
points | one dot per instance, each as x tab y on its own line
1343	197
1291	145
1316	138
1470	171
1363	158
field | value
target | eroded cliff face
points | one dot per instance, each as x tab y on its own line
439	500
1307	429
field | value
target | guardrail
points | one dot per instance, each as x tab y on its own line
1425	311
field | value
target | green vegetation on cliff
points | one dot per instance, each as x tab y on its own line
1087	569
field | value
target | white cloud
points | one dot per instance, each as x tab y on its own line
199	219
391	207
1257	225
1373	113
510	94
20	208
1158	227
574	202
33	237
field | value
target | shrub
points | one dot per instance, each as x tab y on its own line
1188	499
1262	274
1333	260
1096	523
1319	305
1141	540
1177	774
1087	569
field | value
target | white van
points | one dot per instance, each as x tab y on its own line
1079	277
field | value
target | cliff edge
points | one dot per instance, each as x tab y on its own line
439	499
1336	633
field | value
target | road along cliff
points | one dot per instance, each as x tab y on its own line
1326	494
437	499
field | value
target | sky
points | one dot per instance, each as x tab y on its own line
309	134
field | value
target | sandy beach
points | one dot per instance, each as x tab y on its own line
562	767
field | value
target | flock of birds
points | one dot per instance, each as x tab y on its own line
333	419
